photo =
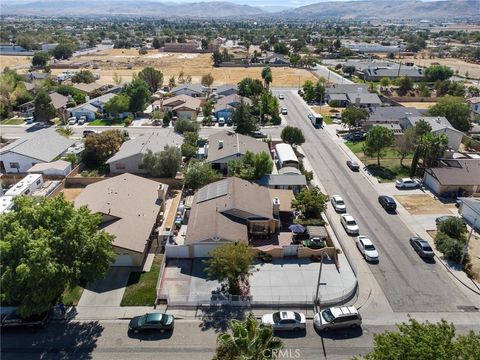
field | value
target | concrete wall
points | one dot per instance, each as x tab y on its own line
276	252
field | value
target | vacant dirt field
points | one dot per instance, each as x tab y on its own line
71	193
421	204
418	105
13	61
455	64
125	63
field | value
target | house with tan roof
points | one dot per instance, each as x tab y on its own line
225	146
58	101
131	208
225	106
91	88
230	210
182	106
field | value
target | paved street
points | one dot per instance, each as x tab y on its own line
409	283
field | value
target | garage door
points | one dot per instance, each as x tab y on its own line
203	250
432	184
123	260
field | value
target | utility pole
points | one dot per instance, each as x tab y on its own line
318	284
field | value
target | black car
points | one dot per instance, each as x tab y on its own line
13	319
151	321
422	247
387	202
353	165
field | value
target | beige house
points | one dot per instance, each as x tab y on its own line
130	206
230	210
454	175
182	106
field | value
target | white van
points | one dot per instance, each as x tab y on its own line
221	121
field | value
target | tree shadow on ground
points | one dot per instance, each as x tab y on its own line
218	318
381	172
63	340
152	335
341	334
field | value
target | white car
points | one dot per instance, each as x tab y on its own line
338	203
349	224
336	121
366	247
72	120
406	183
82	120
337	317
284	111
285	320
281	96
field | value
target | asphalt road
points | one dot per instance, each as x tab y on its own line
409	283
191	339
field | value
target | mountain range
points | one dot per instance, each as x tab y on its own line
363	9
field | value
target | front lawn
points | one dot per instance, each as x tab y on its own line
142	286
72	296
327	119
106	122
12	122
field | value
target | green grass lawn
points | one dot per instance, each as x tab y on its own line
105	122
72	296
12	122
142	286
327	119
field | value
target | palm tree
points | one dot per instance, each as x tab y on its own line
248	341
267	76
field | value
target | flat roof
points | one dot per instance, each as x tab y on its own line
285	153
20	187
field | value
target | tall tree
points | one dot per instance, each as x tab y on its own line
438	72
207	81
251	166
199	174
83	76
117	105
249	87
40	58
153	78
44	109
310	203
405	85
348	69
243	120
47	245
139	95
405	144
353	117
416	340
163	164
378	139
63	51
292	135
247	341
455	110
308	91
217	58
267	76
231	264
100	147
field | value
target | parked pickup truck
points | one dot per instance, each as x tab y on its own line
13	319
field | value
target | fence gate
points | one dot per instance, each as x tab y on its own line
290	250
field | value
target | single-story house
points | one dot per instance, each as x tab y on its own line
182	106
470	211
440	125
294	182
54	168
364	100
91	107
58	101
91	88
395	128
352	94
277	59
42	146
131	207
226	90
194	90
229	211
454	176
389	115
225	146
129	157
225	106
474	104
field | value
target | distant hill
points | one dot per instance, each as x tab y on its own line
385	9
213	9
368	9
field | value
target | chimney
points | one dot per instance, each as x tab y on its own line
276	206
448	154
87	98
162	190
357	101
220	144
439	121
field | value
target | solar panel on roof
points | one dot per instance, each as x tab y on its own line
212	191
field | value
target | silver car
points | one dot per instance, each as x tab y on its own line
338	203
285	320
336	318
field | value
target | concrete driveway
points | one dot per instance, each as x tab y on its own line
108	291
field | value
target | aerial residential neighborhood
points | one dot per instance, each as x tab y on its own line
236	180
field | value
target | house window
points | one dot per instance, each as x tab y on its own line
15	165
120	166
38	182
141	167
27	192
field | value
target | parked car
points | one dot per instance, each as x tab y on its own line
89	132
337	318
285	320
284	111
13	319
367	249
29	120
151	321
259	135
387	202
338	203
82	120
72	120
406	183
422	247
356	136
349	224
336	121
221	121
353	165
281	96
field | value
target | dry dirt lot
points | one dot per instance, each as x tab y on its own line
455	64
71	193
422	204
127	62
418	105
13	61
